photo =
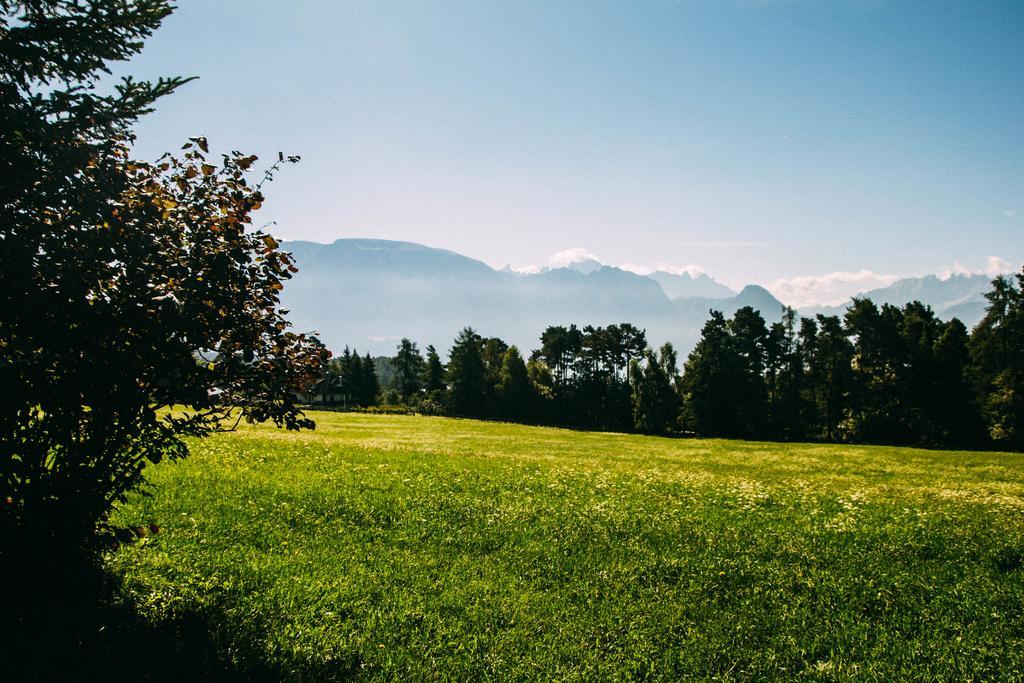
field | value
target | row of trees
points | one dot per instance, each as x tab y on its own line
876	375
349	379
595	377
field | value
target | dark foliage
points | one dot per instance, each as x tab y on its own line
349	380
126	288
469	393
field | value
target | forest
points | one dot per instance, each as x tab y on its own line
881	375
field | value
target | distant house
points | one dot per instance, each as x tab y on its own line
327	392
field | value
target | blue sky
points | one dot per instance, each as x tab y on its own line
761	141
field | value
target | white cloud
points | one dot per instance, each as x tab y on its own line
829	289
579	255
997	266
834	289
635	268
525	270
573	255
956	269
692	269
994	265
1009	213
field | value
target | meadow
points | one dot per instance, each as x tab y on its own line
419	548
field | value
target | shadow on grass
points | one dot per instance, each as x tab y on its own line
71	626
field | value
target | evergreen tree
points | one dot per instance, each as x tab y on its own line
957	419
409	367
369	386
633	344
790	381
712	382
774	367
749	339
784	377
468	393
810	371
997	362
354	380
560	347
834	354
492	352
892	372
515	391
433	372
348	381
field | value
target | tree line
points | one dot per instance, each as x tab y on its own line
878	374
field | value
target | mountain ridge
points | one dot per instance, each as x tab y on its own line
369	293
960	295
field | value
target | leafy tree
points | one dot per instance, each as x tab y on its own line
656	404
409	366
126	288
541	380
492	351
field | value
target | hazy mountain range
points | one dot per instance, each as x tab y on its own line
370	293
958	296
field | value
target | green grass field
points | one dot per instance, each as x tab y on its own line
416	548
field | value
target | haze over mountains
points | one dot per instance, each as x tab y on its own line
370	293
958	296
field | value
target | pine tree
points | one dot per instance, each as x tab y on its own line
515	391
468	393
712	382
370	386
749	338
409	366
957	418
834	355
433	372
997	362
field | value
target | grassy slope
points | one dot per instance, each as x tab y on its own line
414	547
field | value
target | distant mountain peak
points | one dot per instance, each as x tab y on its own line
960	295
754	290
365	293
683	285
585	266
